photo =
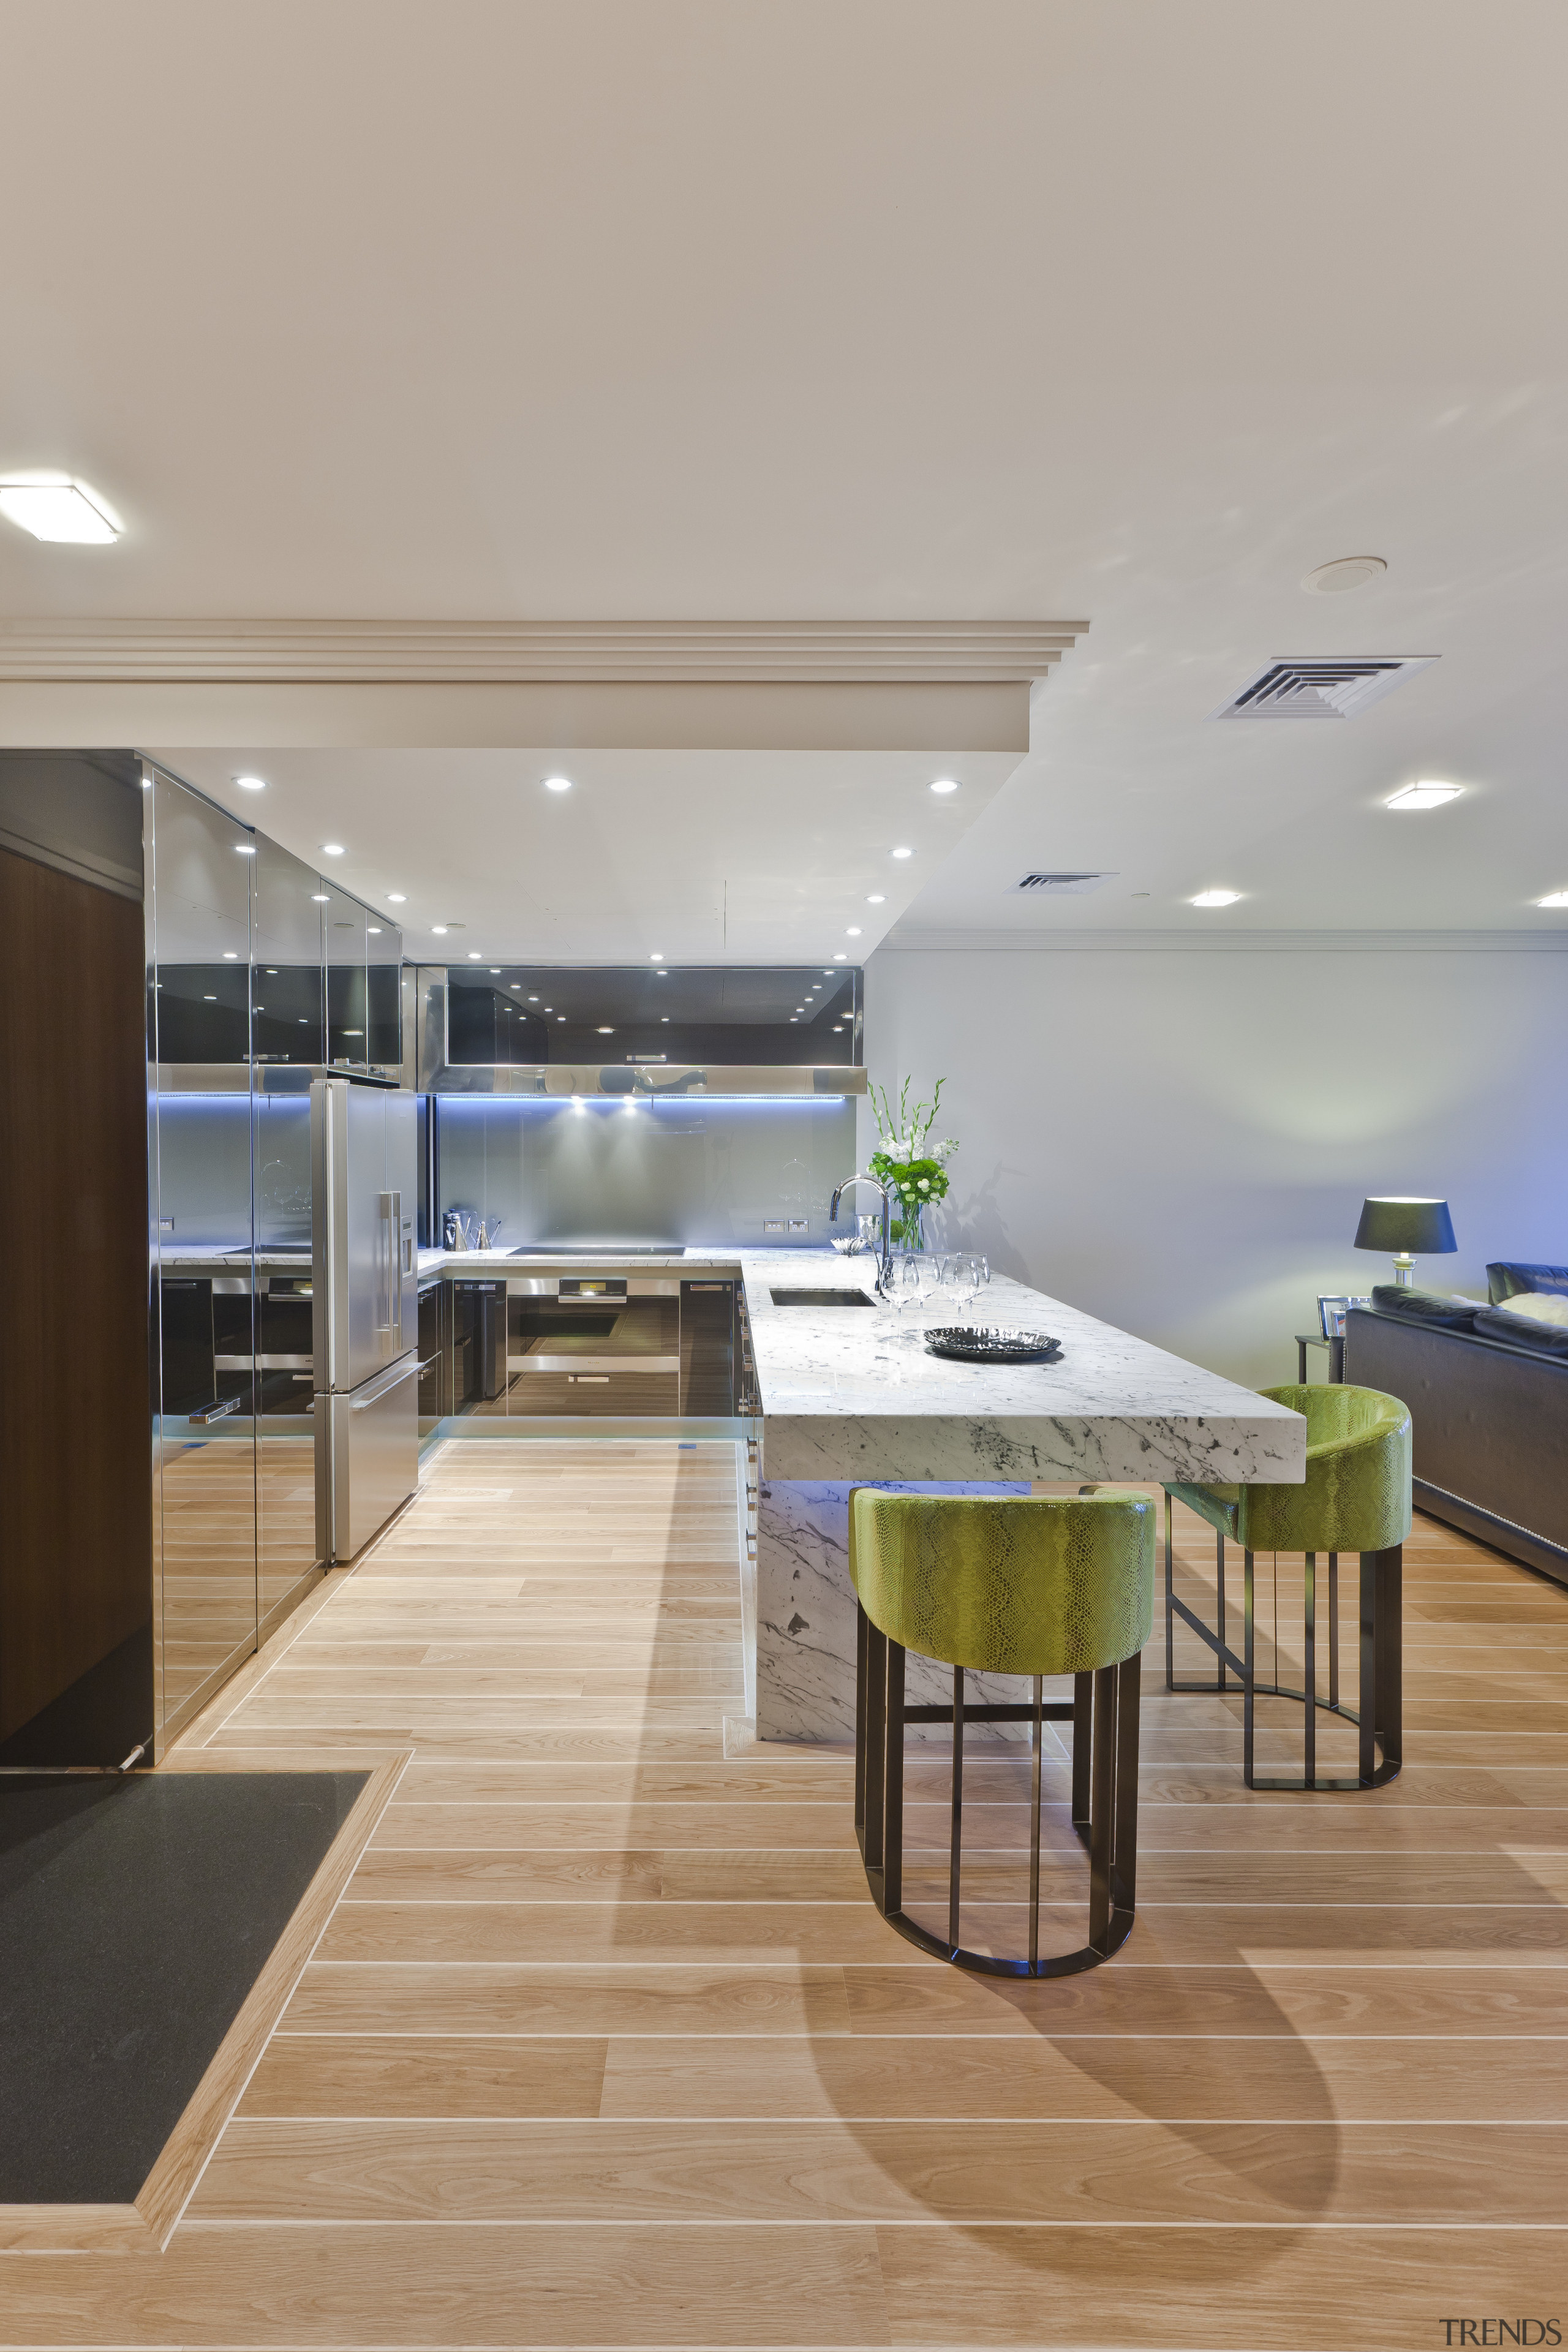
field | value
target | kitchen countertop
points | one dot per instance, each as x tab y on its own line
472	1263
851	1392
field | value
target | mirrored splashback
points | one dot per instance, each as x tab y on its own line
682	1173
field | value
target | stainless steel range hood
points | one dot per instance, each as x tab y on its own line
642	1076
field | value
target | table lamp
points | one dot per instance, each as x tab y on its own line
1404	1227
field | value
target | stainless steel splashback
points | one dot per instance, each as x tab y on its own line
564	1172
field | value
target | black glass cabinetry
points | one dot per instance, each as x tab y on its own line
759	1017
707	1349
478	1347
226	1346
435	1356
579	1347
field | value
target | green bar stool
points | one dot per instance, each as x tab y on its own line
1030	1585
1357	1498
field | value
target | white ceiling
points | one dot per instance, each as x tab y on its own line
699	857
1021	309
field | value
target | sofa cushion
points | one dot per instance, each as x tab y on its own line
1507	1281
1523	1331
1535	1307
1435	1306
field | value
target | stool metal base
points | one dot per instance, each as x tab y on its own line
1104	1717
1379	1717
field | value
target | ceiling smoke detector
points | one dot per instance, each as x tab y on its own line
1061	885
1345	572
1288	688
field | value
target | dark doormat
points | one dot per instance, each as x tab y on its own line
135	1915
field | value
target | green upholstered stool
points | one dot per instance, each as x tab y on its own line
1356	1499
1022	1585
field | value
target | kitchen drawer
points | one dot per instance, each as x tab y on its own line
590	1394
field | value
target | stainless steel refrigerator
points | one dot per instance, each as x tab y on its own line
366	1310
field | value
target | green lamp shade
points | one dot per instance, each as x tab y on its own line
1406	1228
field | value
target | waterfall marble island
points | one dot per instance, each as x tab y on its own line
849	1396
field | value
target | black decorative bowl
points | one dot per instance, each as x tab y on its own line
967	1343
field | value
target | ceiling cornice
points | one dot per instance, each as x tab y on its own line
525	651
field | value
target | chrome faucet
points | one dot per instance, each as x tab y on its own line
885	1256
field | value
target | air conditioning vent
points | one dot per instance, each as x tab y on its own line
1061	885
1285	689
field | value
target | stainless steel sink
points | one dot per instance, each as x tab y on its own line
819	1299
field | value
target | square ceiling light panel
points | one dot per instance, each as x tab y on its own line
58	510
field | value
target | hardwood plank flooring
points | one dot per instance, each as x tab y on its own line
604	2043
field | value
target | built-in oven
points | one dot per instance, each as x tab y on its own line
593	1344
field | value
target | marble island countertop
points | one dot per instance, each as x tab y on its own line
849	1395
851	1392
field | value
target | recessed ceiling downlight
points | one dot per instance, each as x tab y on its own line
1554	898
1345	572
1217	898
945	784
398	897
557	784
1426	794
252	783
60	510
904	853
332	848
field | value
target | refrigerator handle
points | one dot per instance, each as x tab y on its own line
388	1254
394	1259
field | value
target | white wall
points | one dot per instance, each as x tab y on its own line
1180	1140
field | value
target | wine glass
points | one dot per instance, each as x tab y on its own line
908	1281
976	1275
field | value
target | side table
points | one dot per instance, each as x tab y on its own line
1336	1348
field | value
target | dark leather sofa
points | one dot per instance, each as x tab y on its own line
1489	1406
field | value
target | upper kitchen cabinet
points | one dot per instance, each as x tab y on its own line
383	995
347	1020
199	863
288	1000
262	961
773	1028
364	1002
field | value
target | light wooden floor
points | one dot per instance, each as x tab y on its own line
605	2044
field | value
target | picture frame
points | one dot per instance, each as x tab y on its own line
1332	1313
